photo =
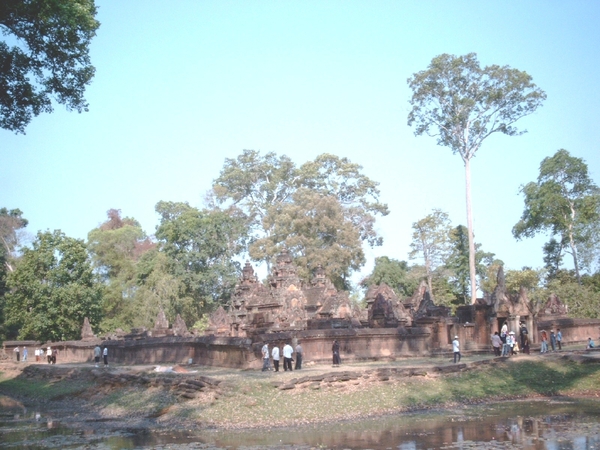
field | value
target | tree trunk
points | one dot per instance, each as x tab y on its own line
470	232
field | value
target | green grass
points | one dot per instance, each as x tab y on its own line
43	389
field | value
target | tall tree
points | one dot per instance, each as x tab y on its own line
563	201
45	56
115	247
264	186
52	290
199	247
431	242
462	104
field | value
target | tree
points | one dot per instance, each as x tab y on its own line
532	281
199	247
396	274
115	247
457	263
430	241
46	55
462	104
52	290
263	187
564	201
318	231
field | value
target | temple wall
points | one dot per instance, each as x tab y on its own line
573	330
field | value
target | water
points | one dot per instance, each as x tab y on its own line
551	425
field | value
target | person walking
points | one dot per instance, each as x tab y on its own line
275	355
456	349
105	356
298	356
287	357
559	338
265	355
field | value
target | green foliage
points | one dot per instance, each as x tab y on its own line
198	248
52	290
115	247
582	301
431	242
396	274
564	202
273	193
49	58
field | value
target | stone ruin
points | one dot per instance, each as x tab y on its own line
286	303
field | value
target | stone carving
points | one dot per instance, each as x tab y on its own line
554	307
161	326
179	327
86	331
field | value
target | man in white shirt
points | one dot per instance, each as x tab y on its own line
456	349
265	355
275	355
287	357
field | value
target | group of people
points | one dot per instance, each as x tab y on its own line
275	355
506	344
39	354
99	351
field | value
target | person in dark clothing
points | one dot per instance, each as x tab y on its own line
298	356
336	353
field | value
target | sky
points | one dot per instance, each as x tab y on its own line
182	85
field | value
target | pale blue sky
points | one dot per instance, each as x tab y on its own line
181	85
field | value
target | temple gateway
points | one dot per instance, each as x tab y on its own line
288	309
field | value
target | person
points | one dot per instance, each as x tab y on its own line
544	347
298	356
287	357
510	344
524	338
496	343
553	340
275	355
504	332
105	356
97	353
17	353
54	355
265	355
559	338
37	355
590	343
49	355
456	349
335	349
25	353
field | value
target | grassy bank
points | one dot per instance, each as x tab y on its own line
252	398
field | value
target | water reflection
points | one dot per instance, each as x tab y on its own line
547	425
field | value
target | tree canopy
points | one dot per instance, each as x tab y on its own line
52	290
564	202
274	194
461	103
45	56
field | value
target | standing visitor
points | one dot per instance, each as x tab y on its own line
37	355
17	353
496	343
510	343
25	353
97	353
456	349
49	355
265	355
54	355
105	356
553	340
335	349
298	356
559	338
275	355
287	357
544	348
524	338
504	332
